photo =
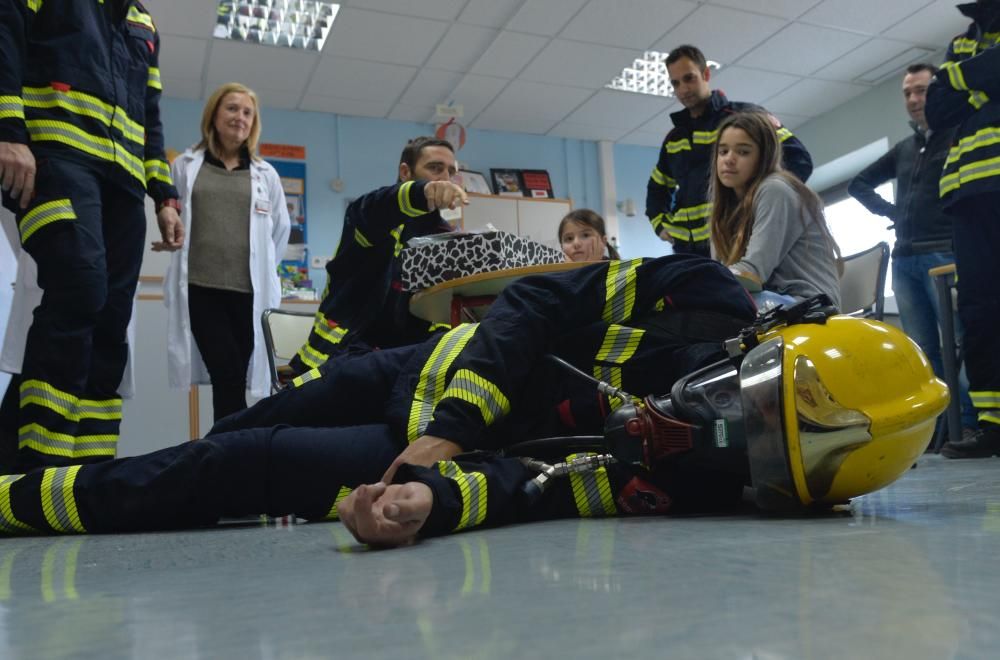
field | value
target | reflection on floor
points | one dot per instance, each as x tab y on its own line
911	572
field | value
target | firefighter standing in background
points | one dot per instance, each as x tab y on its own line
677	193
364	305
81	144
966	93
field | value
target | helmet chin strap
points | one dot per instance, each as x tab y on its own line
816	309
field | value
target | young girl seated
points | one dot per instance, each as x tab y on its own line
767	226
583	237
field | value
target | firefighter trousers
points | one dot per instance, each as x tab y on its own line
86	234
277	471
977	234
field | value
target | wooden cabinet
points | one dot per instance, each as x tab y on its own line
537	219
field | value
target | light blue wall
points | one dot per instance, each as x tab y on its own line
364	153
632	167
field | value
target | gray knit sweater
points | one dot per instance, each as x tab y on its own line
788	251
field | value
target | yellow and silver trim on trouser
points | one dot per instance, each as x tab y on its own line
592	491
987	405
619	296
619	345
43	215
46	405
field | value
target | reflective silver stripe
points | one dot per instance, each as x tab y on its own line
472	488
44	214
431	384
11	107
592	491
75	102
308	376
71	407
154	78
620	291
40	439
469	386
58	501
620	343
8	521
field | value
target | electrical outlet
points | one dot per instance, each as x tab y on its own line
318	262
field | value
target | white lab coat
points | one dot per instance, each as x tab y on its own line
27	296
269	231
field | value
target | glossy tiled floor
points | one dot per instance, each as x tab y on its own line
912	572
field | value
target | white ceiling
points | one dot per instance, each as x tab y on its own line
540	66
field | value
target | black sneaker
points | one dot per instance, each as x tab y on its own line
983	444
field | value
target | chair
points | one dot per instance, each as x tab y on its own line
862	283
284	333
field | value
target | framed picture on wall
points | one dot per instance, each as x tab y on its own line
475	182
507	182
537	183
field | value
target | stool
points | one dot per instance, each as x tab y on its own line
944	281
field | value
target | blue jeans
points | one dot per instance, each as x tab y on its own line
767	300
919	314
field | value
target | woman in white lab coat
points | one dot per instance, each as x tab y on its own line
236	228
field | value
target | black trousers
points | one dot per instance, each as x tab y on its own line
86	234
277	471
701	248
977	237
222	326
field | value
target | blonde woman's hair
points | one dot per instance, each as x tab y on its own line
732	217
209	140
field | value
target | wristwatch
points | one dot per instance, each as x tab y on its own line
172	203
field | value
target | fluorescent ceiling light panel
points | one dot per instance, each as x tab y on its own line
647	75
301	24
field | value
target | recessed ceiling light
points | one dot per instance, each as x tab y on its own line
647	75
291	23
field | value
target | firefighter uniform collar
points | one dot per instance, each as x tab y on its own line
716	102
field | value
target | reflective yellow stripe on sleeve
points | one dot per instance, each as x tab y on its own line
468	386
361	239
11	107
955	77
431	382
472	488
332	514
158	170
592	491
405	205
154	78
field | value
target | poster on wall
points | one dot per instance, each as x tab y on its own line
289	162
537	183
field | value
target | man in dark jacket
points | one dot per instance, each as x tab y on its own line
966	94
677	202
364	304
923	229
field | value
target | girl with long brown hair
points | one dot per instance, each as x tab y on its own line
583	237
767	226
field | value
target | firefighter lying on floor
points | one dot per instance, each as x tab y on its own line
818	412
